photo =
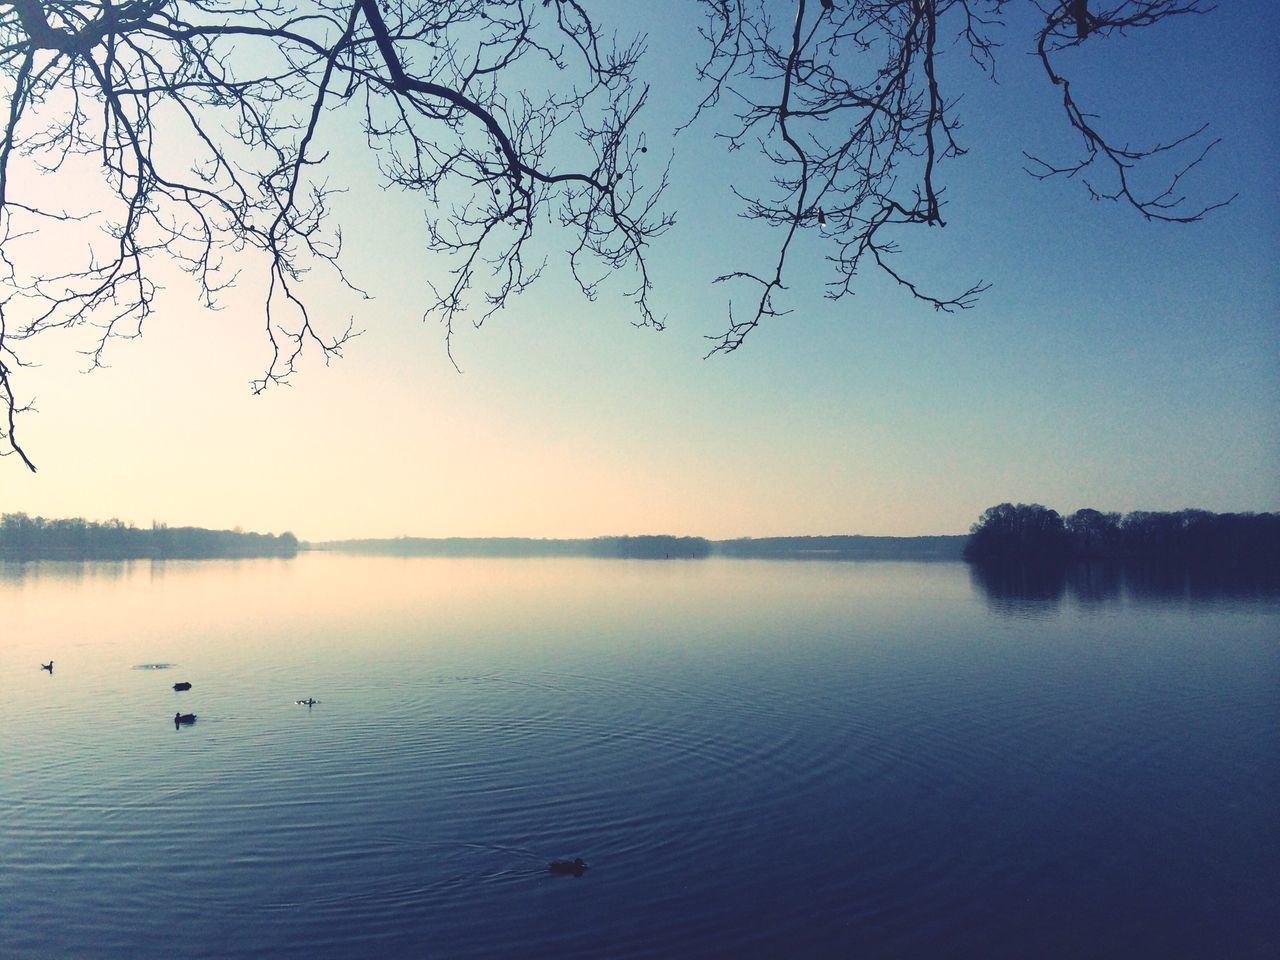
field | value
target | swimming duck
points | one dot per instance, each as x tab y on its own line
309	702
183	718
47	666
577	866
182	686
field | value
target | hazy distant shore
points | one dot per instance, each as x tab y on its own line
25	538
661	547
1006	534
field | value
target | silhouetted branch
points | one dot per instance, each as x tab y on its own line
848	106
1070	23
203	118
851	95
204	124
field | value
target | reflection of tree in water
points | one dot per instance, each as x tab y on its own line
1094	583
1031	589
1200	581
1020	589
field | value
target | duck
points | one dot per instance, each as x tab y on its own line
182	686
309	702
183	718
577	866
47	666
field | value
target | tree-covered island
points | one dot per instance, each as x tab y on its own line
1025	532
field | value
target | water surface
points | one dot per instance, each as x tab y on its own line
756	758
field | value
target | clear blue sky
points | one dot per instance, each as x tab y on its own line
1114	363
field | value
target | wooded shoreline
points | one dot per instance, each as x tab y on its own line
35	538
1018	534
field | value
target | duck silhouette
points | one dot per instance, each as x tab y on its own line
182	686
309	702
577	866
47	666
183	718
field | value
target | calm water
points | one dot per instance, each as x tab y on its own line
756	759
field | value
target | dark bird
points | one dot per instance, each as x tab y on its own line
576	866
47	666
310	701
182	686
183	718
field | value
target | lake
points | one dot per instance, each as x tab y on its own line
755	758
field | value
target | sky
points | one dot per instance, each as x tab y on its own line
1114	363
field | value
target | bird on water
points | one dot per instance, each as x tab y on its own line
182	686
183	718
47	666
577	866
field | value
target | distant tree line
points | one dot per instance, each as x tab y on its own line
35	538
644	547
665	547
843	547
660	547
1031	532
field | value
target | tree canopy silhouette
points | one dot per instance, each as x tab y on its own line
35	538
1030	533
201	122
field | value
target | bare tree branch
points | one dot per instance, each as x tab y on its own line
1070	23
252	85
848	107
205	123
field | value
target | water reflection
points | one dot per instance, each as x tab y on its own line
754	759
17	571
1038	589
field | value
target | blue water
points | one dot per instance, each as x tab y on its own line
756	759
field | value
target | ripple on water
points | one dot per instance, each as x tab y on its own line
864	794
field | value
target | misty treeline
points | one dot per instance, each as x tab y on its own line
843	547
1029	531
666	547
655	546
35	538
